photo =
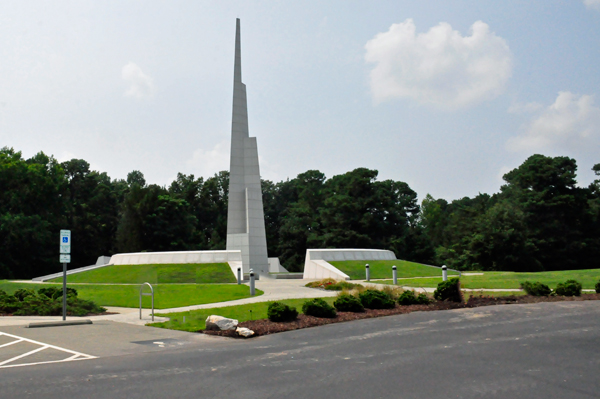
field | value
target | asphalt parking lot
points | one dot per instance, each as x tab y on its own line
22	346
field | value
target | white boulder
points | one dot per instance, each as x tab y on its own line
244	332
220	323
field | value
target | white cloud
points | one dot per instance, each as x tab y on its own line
518	108
140	84
571	123
208	162
592	4
438	67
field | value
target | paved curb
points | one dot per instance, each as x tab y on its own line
58	323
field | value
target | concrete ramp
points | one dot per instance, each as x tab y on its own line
316	265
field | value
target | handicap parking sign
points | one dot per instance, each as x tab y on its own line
65	241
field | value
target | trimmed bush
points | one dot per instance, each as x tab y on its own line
407	298
278	311
597	287
55	292
568	288
46	302
22	293
536	289
423	299
373	299
348	303
448	291
9	304
318	308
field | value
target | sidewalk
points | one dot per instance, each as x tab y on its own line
273	290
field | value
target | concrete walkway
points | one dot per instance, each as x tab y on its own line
273	290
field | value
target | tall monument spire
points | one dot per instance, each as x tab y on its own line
245	214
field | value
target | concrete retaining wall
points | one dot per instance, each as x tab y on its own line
317	266
143	258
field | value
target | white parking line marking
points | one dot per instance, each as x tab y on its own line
24	355
74	355
11	343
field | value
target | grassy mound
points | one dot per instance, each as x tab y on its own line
186	273
165	296
383	269
511	280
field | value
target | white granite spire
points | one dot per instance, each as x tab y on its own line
245	214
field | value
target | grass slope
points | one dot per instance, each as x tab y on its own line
165	296
499	280
383	269
195	319
190	273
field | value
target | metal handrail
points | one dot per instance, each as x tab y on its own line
146	294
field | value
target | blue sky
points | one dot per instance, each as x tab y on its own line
446	96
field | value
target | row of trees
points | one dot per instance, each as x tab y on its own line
540	220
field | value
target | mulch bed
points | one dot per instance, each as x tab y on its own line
266	327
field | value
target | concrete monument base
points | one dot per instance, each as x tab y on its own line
316	265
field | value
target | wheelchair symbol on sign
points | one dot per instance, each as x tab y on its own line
65	240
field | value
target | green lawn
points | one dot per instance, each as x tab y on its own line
499	280
383	269
190	273
195	319
165	296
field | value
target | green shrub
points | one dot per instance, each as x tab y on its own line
9	304
348	303
22	293
536	289
423	299
319	308
407	298
597	287
568	288
448	291
50	292
373	299
56	292
46	302
278	311
39	305
81	307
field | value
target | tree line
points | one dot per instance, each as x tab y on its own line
540	219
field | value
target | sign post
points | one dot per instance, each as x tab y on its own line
65	257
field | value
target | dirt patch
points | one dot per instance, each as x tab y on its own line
266	327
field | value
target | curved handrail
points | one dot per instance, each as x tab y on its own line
147	293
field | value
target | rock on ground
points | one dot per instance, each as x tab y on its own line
220	323
244	332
